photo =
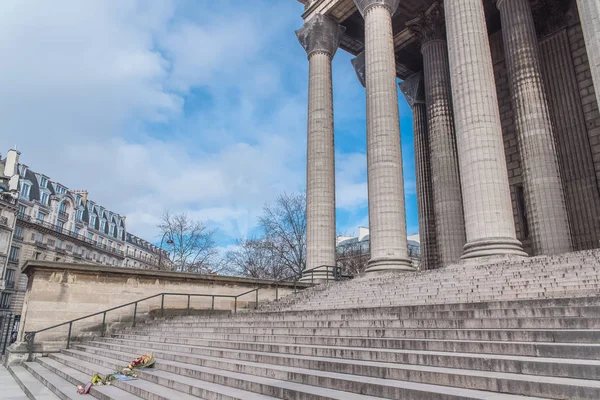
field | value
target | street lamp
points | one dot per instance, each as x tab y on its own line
160	251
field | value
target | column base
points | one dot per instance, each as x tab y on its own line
493	247
382	264
318	276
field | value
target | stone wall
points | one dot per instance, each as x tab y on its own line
59	292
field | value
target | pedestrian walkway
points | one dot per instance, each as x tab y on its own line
10	388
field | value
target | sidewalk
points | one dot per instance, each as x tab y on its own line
10	389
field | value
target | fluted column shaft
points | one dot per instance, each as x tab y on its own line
449	217
544	197
387	219
320	38
320	167
427	226
488	212
589	13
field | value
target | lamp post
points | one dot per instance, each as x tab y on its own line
160	251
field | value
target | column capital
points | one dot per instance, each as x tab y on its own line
551	16
320	34
429	25
358	63
365	5
413	89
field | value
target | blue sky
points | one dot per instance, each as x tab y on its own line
187	105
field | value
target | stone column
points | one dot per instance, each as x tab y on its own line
544	197
488	212
320	38
589	13
413	91
387	218
447	198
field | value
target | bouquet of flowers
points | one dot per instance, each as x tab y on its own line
145	361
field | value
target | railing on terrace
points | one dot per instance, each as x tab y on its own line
63	214
69	233
335	275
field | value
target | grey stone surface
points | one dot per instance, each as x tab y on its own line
413	91
445	176
363	6
387	218
546	209
573	144
589	12
358	63
489	222
320	38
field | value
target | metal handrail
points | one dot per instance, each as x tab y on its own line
30	336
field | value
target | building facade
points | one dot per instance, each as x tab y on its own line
352	253
506	124
45	220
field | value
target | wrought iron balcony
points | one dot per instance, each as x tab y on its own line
13	259
9	284
66	232
63	215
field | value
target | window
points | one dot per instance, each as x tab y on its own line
18	232
120	233
59	225
93	221
22	209
63	207
44	182
14	253
79	215
58	244
90	236
76	231
78	200
90	207
45	198
60	189
99	241
102	225
25	190
10	275
5	300
39	237
41	216
112	230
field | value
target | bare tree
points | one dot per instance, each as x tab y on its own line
190	243
254	258
284	227
352	257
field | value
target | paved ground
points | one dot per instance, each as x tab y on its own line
10	389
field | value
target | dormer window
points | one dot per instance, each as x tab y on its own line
93	221
112	229
43	182
45	198
102	225
25	190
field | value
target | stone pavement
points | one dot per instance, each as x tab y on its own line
9	389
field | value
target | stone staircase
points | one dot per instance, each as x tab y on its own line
527	329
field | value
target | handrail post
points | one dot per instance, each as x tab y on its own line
295	282
212	307
29	339
188	307
235	306
256	305
162	305
277	292
69	337
327	273
103	323
134	312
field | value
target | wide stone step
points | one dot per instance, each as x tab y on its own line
318	380
164	385
294	355
590	351
31	386
263	388
481	323
521	335
63	381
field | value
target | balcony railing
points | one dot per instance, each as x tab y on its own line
9	284
68	233
13	259
63	214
